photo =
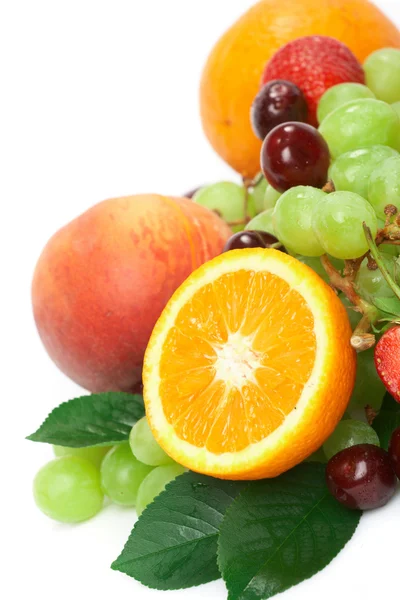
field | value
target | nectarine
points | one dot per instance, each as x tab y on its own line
103	280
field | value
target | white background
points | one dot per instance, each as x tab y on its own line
99	99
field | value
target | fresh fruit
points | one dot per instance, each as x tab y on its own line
340	94
155	483
295	154
252	337
252	239
314	63
292	220
191	193
360	124
338	224
137	388
382	71
144	447
68	490
103	280
315	264
278	101
349	433
361	477
122	474
271	197
394	451
387	361
369	389
257	194
351	171
262	222
371	284
384	185
94	454
232	75
227	199
396	108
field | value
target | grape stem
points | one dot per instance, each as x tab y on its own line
378	259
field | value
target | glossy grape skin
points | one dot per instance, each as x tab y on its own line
396	107
371	284
228	200
155	483
122	475
94	454
257	195
384	186
361	477
351	171
382	72
340	94
394	451
295	154
262	222
271	197
279	101
144	447
360	124
349	433
338	224
292	219
252	239
68	490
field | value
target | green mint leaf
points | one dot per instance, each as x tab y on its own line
390	306
92	420
174	543
281	531
387	420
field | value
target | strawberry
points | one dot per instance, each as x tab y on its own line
387	361
314	63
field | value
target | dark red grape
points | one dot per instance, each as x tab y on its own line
295	154
394	451
137	388
191	193
279	101
361	477
252	239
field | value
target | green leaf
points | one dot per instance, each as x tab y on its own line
98	419
387	420
280	532
174	543
390	306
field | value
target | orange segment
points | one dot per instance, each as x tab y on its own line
250	367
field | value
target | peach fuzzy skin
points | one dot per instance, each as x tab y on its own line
232	74
103	280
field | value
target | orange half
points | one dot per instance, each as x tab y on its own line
250	367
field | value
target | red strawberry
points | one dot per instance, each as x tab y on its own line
314	63
387	361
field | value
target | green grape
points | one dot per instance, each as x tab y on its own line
382	73
371	284
228	200
340	94
271	197
318	456
155	483
122	475
316	265
349	433
351	171
338	224
144	446
93	453
68	489
292	219
262	222
360	124
257	193
396	107
384	186
369	389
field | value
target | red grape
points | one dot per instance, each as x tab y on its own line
251	239
137	388
361	477
295	154
191	193
277	102
394	451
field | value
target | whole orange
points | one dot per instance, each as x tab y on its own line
232	74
